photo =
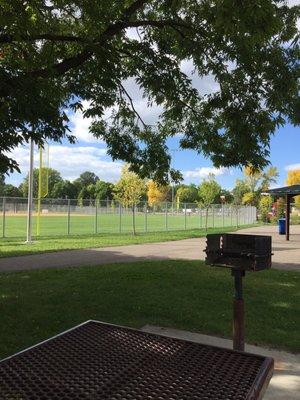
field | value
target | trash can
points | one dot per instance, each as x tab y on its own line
281	226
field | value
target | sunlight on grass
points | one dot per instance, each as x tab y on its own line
16	247
179	294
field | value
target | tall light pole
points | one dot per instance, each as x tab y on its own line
172	182
30	194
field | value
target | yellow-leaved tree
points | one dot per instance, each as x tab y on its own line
293	178
156	193
129	191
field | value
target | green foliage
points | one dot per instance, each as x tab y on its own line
11	191
104	190
256	181
85	179
187	194
209	192
8	190
2	184
129	189
240	189
64	190
280	208
260	180
53	176
265	204
56	55
228	196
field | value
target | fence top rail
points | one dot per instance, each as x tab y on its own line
112	202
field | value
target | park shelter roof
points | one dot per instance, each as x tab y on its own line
292	190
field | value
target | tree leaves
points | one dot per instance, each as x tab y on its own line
54	56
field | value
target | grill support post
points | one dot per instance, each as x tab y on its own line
238	311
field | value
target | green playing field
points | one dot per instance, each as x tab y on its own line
51	225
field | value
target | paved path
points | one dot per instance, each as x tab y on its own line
285	384
286	254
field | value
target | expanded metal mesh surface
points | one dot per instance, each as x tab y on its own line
99	361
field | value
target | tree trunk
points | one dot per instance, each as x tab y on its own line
133	220
206	219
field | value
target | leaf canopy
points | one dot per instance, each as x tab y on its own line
56	54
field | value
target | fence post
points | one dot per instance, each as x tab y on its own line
120	218
184	215
146	222
200	217
69	216
223	221
3	216
166	216
96	217
213	215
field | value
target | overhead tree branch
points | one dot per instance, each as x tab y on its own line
113	29
133	8
75	61
6	39
132	105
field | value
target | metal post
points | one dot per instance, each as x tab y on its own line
185	216
3	216
120	218
172	191
146	222
39	195
96	217
223	221
200	217
69	216
287	217
30	195
166	216
238	311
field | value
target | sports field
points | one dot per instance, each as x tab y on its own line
64	224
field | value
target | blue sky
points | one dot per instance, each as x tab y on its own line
90	154
284	154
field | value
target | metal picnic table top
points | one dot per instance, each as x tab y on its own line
96	360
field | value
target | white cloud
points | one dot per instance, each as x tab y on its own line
293	2
79	125
204	172
71	161
292	167
205	84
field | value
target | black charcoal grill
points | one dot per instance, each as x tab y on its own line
240	253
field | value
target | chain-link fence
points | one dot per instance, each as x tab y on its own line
78	217
295	214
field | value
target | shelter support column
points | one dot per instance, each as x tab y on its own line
287	216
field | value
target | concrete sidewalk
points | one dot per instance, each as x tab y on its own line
286	254
285	384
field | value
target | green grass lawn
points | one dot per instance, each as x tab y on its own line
58	225
38	304
16	247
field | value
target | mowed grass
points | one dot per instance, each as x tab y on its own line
16	247
52	225
38	304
